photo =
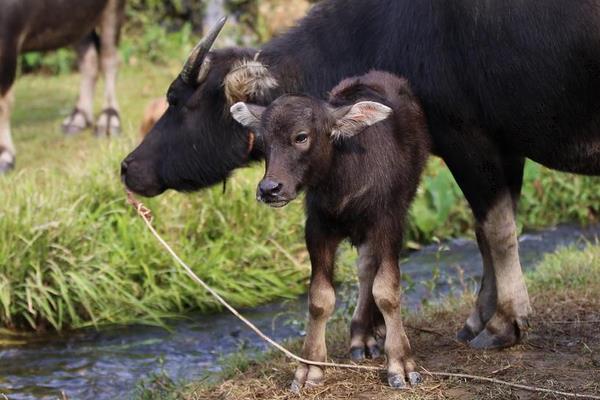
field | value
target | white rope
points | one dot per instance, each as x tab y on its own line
146	215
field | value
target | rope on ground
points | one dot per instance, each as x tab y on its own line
510	384
146	215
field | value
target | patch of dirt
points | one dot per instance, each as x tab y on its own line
562	352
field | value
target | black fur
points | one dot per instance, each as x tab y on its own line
507	78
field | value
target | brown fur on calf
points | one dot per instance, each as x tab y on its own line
155	109
359	157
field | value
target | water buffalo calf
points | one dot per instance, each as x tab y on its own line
28	25
360	170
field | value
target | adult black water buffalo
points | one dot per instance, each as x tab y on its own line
28	25
500	81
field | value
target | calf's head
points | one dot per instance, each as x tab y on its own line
300	135
196	143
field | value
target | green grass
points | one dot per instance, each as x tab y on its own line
72	254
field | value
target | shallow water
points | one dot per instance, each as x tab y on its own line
109	364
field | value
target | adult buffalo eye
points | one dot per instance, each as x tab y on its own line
301	138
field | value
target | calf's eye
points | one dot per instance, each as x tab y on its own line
301	138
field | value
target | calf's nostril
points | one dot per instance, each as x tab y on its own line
269	188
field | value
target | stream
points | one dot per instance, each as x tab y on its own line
108	364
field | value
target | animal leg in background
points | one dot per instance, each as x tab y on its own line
109	121
322	246
8	70
83	115
7	147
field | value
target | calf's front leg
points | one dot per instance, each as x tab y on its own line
321	303
386	291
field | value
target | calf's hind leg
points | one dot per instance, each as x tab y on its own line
386	291
367	321
322	246
109	121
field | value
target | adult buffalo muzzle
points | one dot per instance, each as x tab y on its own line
144	171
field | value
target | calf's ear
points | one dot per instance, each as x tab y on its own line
351	121
247	115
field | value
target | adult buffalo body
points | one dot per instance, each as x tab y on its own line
39	25
500	81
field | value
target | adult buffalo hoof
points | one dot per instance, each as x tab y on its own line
465	335
109	123
75	123
500	333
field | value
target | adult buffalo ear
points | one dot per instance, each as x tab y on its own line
248	115
248	80
197	65
352	120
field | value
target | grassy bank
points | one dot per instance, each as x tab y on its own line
73	255
562	351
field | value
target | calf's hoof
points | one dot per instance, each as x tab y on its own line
306	376
501	332
109	123
75	123
397	381
359	354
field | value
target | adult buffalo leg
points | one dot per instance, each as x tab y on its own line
8	69
83	115
109	121
491	180
386	291
322	246
367	322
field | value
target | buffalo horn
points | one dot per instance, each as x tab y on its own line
197	55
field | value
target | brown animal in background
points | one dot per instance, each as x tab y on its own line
359	157
34	25
155	109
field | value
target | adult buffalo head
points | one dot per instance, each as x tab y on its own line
197	143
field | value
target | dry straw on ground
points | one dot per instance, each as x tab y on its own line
562	353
